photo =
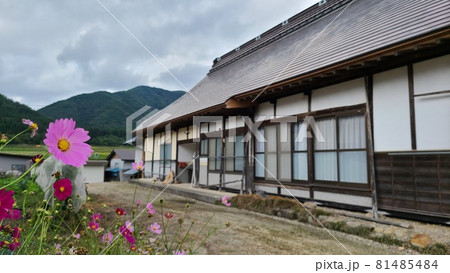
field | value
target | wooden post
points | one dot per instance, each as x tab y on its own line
247	174
222	159
370	144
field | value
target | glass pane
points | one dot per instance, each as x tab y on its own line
239	164
211	164
260	144
259	165
218	147
204	147
271	138
168	153
353	167
325	166
229	153
218	160
285	139
161	152
271	166
239	146
212	147
327	127
352	132
284	166
300	166
300	137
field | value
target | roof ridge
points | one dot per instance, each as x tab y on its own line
294	23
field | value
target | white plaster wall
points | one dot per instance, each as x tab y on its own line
138	155
292	105
203	172
173	151
94	174
295	192
186	152
267	189
233	177
148	169
157	148
234	122
116	163
433	122
264	111
214	179
343	198
391	114
148	144
338	95
432	75
182	133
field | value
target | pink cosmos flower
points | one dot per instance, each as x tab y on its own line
155	228
168	215
138	166
6	203
77	236
107	237
94	225
15	239
129	226
225	201
127	234
14	214
33	126
138	203
63	189
66	142
179	252
97	217
150	208
120	211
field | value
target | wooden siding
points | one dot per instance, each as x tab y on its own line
415	183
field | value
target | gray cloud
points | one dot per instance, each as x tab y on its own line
52	50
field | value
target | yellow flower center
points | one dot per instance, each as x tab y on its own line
37	160
61	189
139	168
63	145
34	126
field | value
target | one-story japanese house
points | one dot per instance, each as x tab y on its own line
366	81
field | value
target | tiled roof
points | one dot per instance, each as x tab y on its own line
313	39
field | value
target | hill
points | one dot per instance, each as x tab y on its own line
11	114
104	114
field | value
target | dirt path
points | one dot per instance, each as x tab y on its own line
249	233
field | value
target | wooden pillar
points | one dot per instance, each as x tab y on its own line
222	153
249	148
370	144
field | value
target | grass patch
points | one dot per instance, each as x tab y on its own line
434	249
387	240
361	231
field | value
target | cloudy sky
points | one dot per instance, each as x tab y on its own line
54	49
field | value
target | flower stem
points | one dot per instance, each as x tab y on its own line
21	133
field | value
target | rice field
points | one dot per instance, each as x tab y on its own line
100	152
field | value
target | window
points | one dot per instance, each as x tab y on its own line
165	153
342	156
234	153
215	151
300	152
204	147
273	158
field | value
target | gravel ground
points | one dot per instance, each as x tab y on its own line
249	233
